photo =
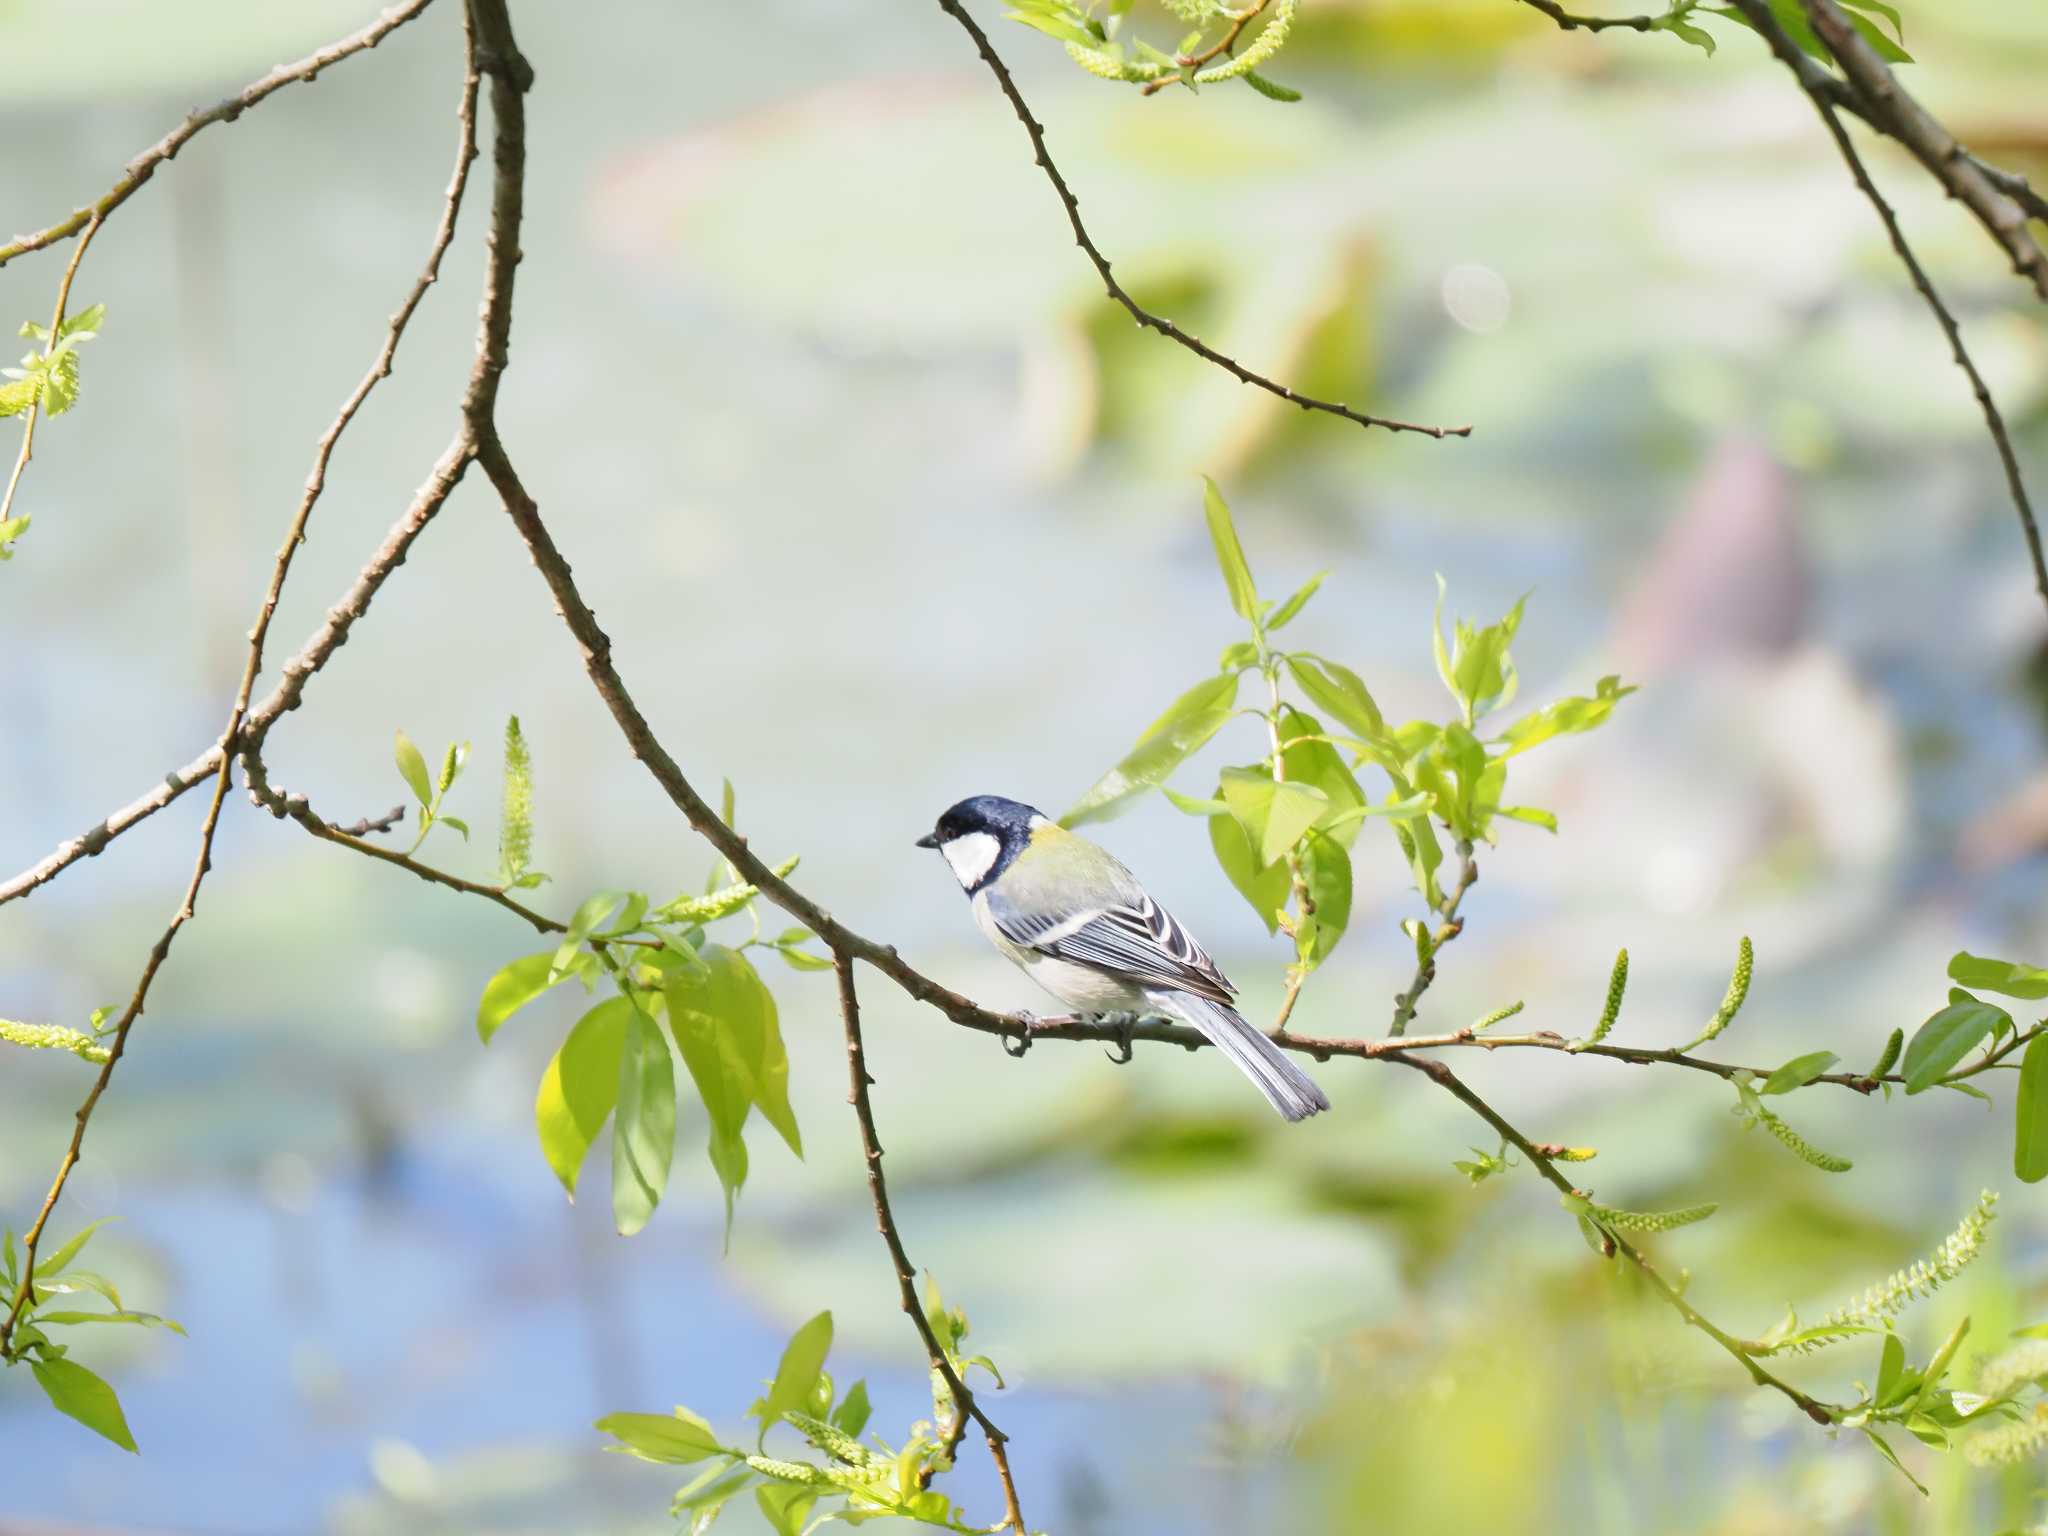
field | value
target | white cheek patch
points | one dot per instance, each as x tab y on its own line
972	855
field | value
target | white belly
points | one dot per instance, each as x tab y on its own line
1080	987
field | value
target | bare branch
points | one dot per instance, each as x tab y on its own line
1894	113
231	733
964	1405
145	165
1897	114
1116	291
1572	22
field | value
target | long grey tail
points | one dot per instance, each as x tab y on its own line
1286	1087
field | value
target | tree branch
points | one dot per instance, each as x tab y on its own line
238	714
1542	1162
1898	115
145	165
1116	291
1895	113
964	1405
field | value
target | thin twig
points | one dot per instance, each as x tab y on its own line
1225	44
1572	22
1451	1083
238	714
1899	116
1904	119
1431	942
144	165
1116	291
35	409
964	1405
370	824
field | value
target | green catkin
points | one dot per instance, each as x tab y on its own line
515	821
1800	1147
1496	1017
2013	1368
1272	90
1617	984
1651	1221
52	1037
1924	1278
1271	39
785	1471
829	1438
1105	65
1732	999
1890	1058
2009	1442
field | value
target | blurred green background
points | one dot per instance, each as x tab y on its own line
884	505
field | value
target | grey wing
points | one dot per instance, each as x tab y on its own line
1136	939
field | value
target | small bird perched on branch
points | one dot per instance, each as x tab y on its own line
1080	925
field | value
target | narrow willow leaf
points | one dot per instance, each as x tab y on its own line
797	1373
2030	1129
1535	816
644	1128
2008	977
59	1261
1798	1072
1193	806
1341	694
1891	1366
76	1391
580	1087
1237	575
1298	600
1186	726
1566	717
511	989
676	1440
413	769
853	1412
1940	1044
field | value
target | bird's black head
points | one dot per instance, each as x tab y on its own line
981	835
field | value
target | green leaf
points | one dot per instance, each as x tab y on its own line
1192	805
1566	717
731	993
851	1416
1946	1038
580	1087
1265	886
1237	655
1878	7
786	1506
1340	693
13	527
2008	977
1699	37
1885	1449
1188	723
1237	575
413	769
511	989
1798	1072
1053	26
1272	90
140	1319
676	1440
74	1390
1533	815
2030	1128
57	1262
1320	764
802	1359
1327	867
1891	1368
594	912
1274	814
1298	599
644	1129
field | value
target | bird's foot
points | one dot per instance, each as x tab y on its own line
1017	1044
1122	1024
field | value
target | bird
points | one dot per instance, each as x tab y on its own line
1078	923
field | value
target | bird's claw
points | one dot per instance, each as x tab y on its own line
1016	1045
1122	1024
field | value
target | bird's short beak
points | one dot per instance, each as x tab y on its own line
929	840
